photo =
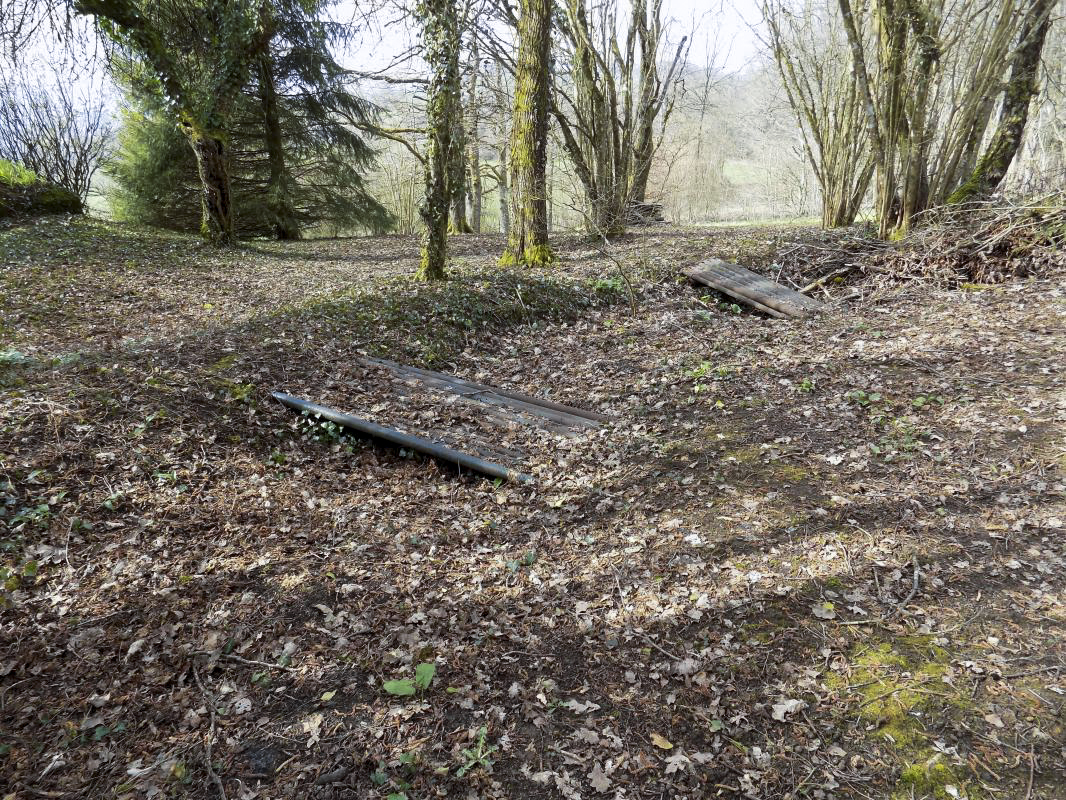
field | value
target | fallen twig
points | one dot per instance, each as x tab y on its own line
210	701
909	597
827	277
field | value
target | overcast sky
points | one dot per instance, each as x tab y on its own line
723	34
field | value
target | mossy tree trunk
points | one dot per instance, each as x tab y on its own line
504	190
475	189
441	51
279	186
898	139
457	167
216	200
1014	113
527	242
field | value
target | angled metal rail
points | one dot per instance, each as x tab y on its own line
438	451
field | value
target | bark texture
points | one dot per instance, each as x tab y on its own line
1014	113
475	189
215	198
527	242
441	51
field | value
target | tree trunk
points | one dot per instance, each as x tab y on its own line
441	43
475	190
647	106
527	242
215	199
279	187
434	213
505	194
457	182
879	112
1014	113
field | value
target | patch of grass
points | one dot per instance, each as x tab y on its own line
14	174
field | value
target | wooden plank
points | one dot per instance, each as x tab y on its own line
751	288
756	287
496	410
567	416
481	387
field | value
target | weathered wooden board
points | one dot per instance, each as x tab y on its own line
516	406
749	287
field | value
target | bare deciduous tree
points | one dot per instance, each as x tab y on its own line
59	124
811	55
609	97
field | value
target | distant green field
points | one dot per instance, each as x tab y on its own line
744	172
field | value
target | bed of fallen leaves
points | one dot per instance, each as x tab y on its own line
818	558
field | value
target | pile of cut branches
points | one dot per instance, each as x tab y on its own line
986	242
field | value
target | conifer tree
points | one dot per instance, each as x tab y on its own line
295	151
198	56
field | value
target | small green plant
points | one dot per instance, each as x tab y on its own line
139	430
923	400
320	430
610	283
14	174
478	756
11	578
526	561
37	516
405	687
864	399
701	371
806	385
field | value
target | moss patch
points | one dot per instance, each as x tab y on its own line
899	682
929	778
36	199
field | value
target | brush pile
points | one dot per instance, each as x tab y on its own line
988	242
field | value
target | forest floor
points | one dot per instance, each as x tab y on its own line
819	558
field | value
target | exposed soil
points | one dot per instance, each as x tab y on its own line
818	558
